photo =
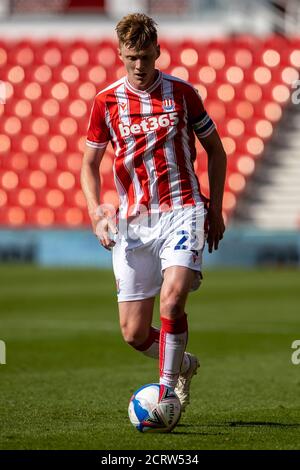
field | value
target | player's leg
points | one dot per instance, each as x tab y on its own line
138	275
181	263
177	283
138	332
135	323
138	281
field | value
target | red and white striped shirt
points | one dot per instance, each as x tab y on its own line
152	133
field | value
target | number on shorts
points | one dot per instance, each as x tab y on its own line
184	237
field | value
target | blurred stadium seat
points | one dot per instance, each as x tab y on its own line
245	81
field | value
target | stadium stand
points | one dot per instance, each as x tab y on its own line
50	84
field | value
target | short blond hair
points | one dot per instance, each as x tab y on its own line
137	31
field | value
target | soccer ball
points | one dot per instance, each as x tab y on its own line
154	408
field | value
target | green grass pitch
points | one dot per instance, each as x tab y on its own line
69	375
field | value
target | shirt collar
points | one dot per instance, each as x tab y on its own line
148	90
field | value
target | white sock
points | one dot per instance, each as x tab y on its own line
172	343
152	345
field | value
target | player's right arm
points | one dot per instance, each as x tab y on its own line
91	186
97	139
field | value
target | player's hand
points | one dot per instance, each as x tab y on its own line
216	229
104	229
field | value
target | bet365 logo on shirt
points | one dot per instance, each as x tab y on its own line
149	124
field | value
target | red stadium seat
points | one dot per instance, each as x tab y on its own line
16	162
164	60
32	91
14	216
242	109
229	201
23	197
41	74
75	199
35	179
46	162
85	91
259	127
239	56
269	110
77	54
38	126
104	53
250	145
69	216
42	217
53	198
9	180
63	180
241	163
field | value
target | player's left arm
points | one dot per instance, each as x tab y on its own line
216	175
205	130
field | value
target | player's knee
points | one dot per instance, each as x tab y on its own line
133	337
171	306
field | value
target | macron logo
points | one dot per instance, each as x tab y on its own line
149	124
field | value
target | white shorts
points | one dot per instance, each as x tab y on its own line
146	248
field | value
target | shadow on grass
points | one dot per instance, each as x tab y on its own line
196	433
259	423
230	424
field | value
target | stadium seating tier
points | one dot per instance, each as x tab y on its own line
245	81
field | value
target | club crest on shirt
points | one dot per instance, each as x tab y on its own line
168	104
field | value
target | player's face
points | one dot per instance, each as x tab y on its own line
140	65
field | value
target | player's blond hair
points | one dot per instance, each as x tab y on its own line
137	31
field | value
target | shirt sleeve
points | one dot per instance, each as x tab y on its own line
198	118
98	133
